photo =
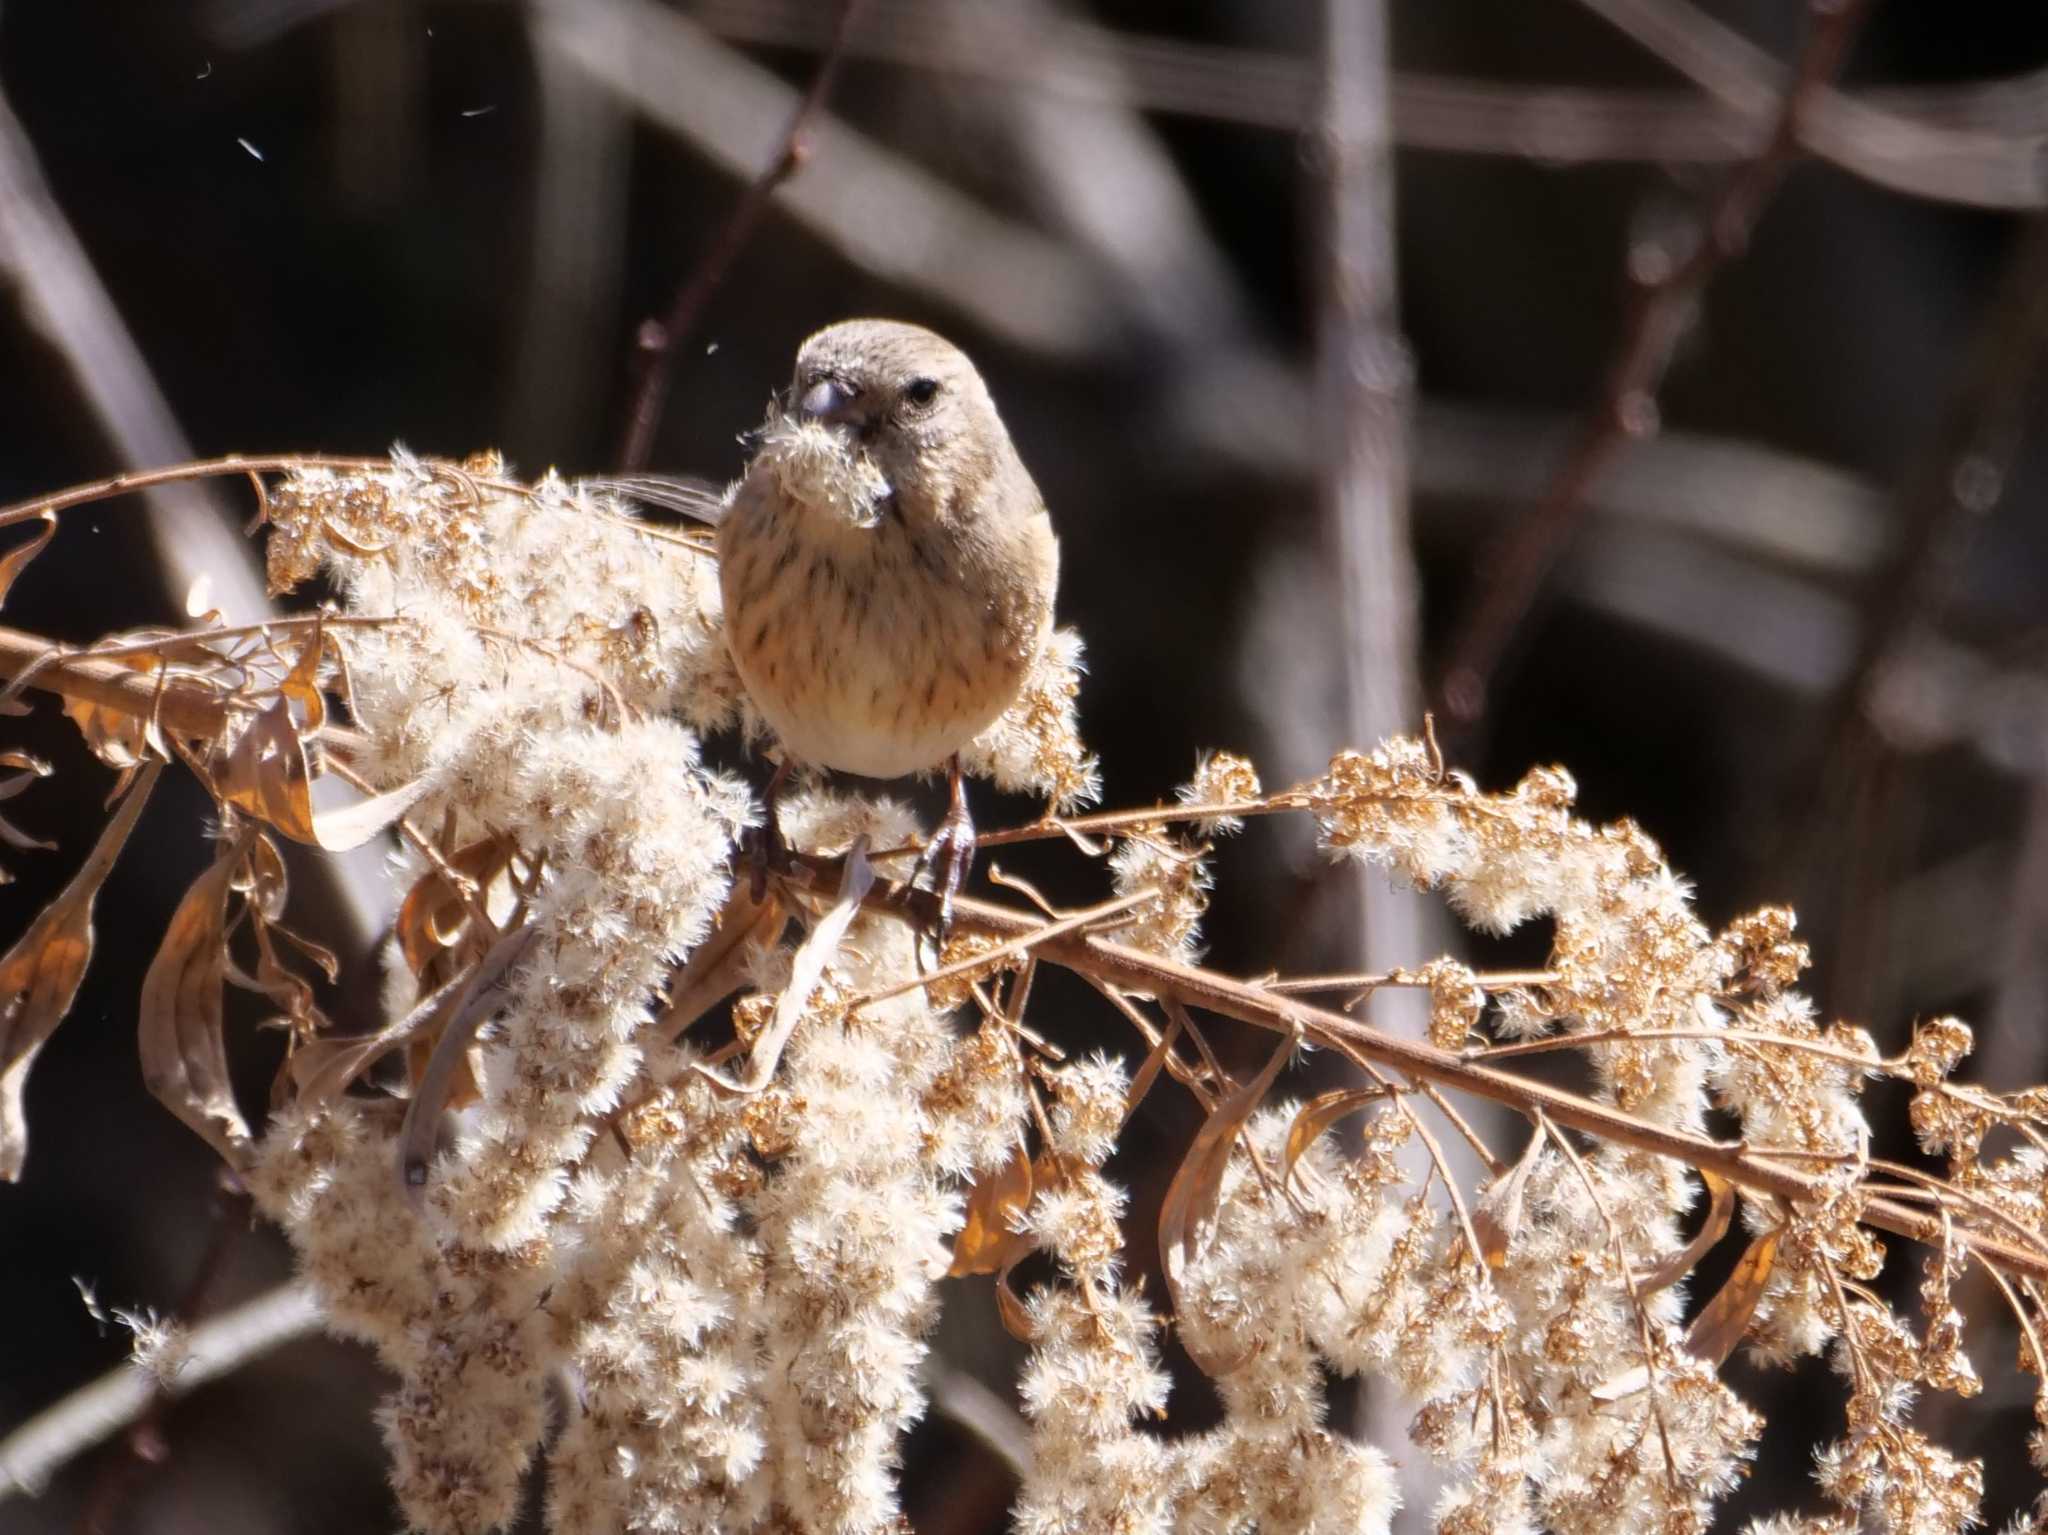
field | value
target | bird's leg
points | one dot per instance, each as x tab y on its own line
765	847
950	852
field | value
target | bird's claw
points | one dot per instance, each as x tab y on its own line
946	860
762	847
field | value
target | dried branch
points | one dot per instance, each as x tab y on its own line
1956	486
1363	379
1962	144
1112	964
1665	289
878	209
1977	143
657	339
39	1448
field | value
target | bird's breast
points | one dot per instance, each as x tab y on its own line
878	651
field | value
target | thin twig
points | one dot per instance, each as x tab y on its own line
1664	292
657	340
35	1451
1628	1280
1954	488
1107	963
145	1445
1974	142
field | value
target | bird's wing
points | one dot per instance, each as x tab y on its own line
691	497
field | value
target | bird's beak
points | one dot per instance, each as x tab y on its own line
828	401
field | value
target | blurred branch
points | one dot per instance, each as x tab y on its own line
1878	710
1665	286
1101	177
1772	509
1984	148
60	295
1363	380
581	169
1979	143
991	1419
2010	1049
39	1448
877	209
1959	481
657	338
145	1444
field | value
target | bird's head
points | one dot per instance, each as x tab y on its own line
908	407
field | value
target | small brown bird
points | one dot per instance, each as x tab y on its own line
887	565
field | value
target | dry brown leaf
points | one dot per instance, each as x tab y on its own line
480	995
1191	1199
1681	1263
39	976
435	917
989	1239
806	969
718	966
1318	1114
301	684
15	560
1499	1215
31	769
184	1057
266	774
461	1088
322	1069
1724	1319
1148	1071
262	879
118	738
350	826
1015	1318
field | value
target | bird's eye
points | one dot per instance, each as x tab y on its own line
921	391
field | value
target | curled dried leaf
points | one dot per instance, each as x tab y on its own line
435	917
1318	1114
805	971
989	1240
1724	1319
718	966
1191	1199
15	560
115	736
1682	1262
1499	1215
267	775
301	685
481	994
322	1069
262	880
40	975
184	1057
1011	1310
30	770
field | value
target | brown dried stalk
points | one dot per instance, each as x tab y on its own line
1108	963
1660	309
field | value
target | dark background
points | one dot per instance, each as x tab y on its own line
332	227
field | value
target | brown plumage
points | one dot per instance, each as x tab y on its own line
887	563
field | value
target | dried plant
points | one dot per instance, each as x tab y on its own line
732	1241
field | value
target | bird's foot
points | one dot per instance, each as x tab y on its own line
761	847
947	858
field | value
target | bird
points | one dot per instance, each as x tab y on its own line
887	567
